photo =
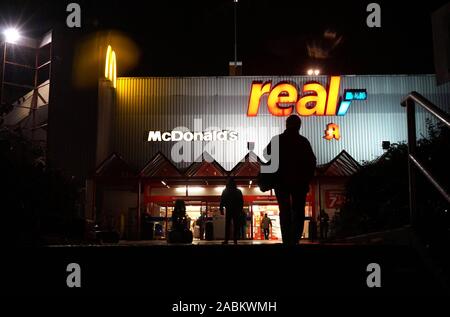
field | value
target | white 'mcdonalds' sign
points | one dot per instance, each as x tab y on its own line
176	136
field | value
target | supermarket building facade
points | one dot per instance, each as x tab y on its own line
163	139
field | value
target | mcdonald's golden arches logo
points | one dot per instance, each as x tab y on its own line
110	66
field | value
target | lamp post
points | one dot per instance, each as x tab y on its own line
235	32
12	88
11	35
235	66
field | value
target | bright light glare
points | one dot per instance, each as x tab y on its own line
312	71
12	35
194	190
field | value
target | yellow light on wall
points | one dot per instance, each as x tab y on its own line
110	66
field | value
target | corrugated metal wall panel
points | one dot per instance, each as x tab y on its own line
144	104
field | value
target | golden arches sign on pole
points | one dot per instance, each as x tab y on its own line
110	66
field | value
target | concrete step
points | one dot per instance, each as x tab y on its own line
201	270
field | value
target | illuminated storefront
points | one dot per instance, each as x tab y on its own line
160	183
162	139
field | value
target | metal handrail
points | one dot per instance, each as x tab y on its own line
430	178
427	105
410	103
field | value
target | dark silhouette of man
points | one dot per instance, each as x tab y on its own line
180	231
323	218
233	202
201	225
296	166
266	223
243	226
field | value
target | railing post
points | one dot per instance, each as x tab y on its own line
413	163
411	122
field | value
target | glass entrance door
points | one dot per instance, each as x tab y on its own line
273	213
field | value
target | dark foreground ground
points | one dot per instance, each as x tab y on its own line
189	272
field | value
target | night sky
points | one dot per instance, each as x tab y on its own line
194	38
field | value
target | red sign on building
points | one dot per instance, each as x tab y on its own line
334	199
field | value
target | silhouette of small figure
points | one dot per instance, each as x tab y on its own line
243	226
200	222
297	164
233	202
266	223
324	220
180	232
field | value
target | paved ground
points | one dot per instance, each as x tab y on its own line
207	268
196	242
205	242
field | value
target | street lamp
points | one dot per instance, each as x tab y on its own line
312	71
12	35
13	85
